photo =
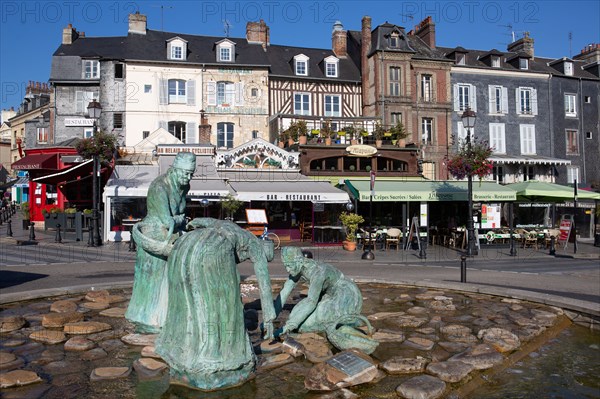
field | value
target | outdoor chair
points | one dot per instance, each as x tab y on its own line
393	238
305	231
531	239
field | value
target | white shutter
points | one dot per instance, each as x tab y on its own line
164	125
79	97
532	138
456	103
504	100
191	133
534	102
211	93
518	100
461	133
239	94
190	90
492	99
473	99
169	53
163	91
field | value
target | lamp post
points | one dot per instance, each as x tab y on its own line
368	254
204	205
468	120
94	110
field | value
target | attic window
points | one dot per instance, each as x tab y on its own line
460	59
225	51
331	67
301	65
495	61
523	63
394	40
176	52
224	54
176	49
569	68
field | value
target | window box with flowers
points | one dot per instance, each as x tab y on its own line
473	161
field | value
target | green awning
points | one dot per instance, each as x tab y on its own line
533	190
429	191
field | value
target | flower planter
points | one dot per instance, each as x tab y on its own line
301	140
378	143
349	245
328	141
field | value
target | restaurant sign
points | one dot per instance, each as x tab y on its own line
163	149
79	122
434	196
361	150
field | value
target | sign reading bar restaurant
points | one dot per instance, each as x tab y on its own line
174	149
79	122
361	150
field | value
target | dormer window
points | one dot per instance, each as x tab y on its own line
331	67
394	40
495	61
460	59
225	51
176	49
523	63
301	65
569	68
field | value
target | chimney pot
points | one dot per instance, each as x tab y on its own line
137	23
258	33
69	35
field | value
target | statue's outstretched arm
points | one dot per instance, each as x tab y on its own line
202	222
281	299
305	307
261	270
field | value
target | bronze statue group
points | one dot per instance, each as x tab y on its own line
187	290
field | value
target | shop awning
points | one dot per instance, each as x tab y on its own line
528	160
300	190
37	161
429	191
539	191
66	174
203	188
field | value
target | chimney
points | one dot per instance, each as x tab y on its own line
258	33
365	49
523	45
137	23
426	31
204	129
69	35
338	40
589	54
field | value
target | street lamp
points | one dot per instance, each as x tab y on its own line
204	204
94	110
468	120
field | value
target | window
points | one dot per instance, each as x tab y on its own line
88	132
569	68
117	120
587	99
225	93
394	40
119	71
497	138
588	135
495	61
301	103
224	135
91	69
570	105
426	88
394	81
396	117
498	100
145	134
572	174
427	130
460	59
178	130
224	54
147	88
176	52
82	100
464	97
526	101
42	135
331	67
572	142
254	92
332	105
523	63
498	174
301	68
528	172
177	91
527	133
255	134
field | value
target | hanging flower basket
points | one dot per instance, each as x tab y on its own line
471	162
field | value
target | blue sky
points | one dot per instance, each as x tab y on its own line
30	31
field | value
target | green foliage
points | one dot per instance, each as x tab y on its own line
351	221
326	131
25	211
101	144
379	132
399	131
87	211
71	210
231	205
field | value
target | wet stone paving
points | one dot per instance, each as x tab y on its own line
432	342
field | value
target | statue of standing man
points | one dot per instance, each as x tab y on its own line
155	236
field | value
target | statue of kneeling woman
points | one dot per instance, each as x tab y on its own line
333	304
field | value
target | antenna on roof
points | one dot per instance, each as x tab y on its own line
570	44
162	12
226	26
511	32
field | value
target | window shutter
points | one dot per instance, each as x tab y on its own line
473	92
163	91
164	125
534	102
456	106
504	100
79	96
239	94
191	133
191	92
491	99
532	138
518	100
169	51
211	93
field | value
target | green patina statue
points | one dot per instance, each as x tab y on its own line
333	304
204	339
155	237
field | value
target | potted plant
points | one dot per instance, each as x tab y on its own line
350	221
379	133
231	205
302	131
283	137
326	132
292	133
351	134
26	212
400	134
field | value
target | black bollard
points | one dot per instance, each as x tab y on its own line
9	228
1	216
31	232
423	251
552	245
58	237
513	247
463	269
91	236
